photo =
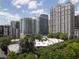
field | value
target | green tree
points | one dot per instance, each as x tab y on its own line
57	35
51	35
63	36
22	56
31	56
74	46
38	36
66	50
63	54
11	55
4	42
27	44
27	56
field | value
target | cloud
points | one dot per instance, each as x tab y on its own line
24	11
38	12
19	3
6	17
77	11
0	7
18	6
33	5
9	16
41	3
5	9
61	1
73	1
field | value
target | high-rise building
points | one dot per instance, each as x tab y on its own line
77	22
62	19
76	30
76	33
4	30
1	30
43	24
15	29
7	30
27	27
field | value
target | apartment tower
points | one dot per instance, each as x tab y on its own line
62	19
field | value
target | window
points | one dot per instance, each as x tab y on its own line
62	9
66	8
62	13
68	11
69	7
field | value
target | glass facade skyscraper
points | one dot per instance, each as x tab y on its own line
43	24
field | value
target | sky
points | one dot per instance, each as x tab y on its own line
17	9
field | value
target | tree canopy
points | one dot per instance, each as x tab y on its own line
27	56
27	44
58	35
4	42
65	50
11	55
38	36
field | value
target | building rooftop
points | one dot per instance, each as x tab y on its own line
49	41
14	48
15	40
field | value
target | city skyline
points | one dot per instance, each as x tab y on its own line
17	9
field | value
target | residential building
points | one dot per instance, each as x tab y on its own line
76	33
7	30
76	30
4	30
42	23
15	29
27	27
62	19
77	22
1	31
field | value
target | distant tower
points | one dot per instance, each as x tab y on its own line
4	30
27	27
43	24
15	29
